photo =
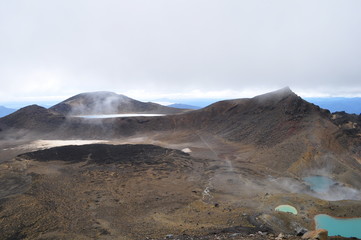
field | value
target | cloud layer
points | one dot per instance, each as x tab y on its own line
157	48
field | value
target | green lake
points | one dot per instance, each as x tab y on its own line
286	208
345	227
319	184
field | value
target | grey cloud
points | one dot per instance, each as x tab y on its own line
174	46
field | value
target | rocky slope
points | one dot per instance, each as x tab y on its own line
349	123
142	191
95	191
32	118
265	120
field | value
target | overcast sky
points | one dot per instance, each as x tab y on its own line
149	49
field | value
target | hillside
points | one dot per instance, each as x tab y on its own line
32	118
243	158
288	133
276	116
94	103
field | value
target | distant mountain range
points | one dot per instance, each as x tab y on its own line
337	104
184	106
6	111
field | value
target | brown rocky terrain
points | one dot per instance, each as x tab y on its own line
245	157
350	125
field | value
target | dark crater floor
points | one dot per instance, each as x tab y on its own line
106	154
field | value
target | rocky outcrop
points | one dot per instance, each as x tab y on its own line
349	131
319	234
349	123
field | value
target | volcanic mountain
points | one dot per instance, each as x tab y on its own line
244	157
32	118
94	103
292	133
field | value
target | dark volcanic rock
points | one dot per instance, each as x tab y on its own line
350	130
349	123
106	154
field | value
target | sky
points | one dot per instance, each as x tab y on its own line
179	49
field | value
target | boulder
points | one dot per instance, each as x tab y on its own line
320	234
280	236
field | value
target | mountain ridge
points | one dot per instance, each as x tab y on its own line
277	120
102	102
228	118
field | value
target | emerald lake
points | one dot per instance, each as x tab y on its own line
345	227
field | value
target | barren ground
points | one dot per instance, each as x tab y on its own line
217	187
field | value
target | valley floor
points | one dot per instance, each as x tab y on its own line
215	191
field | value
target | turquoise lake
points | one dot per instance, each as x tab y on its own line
286	208
345	227
319	184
